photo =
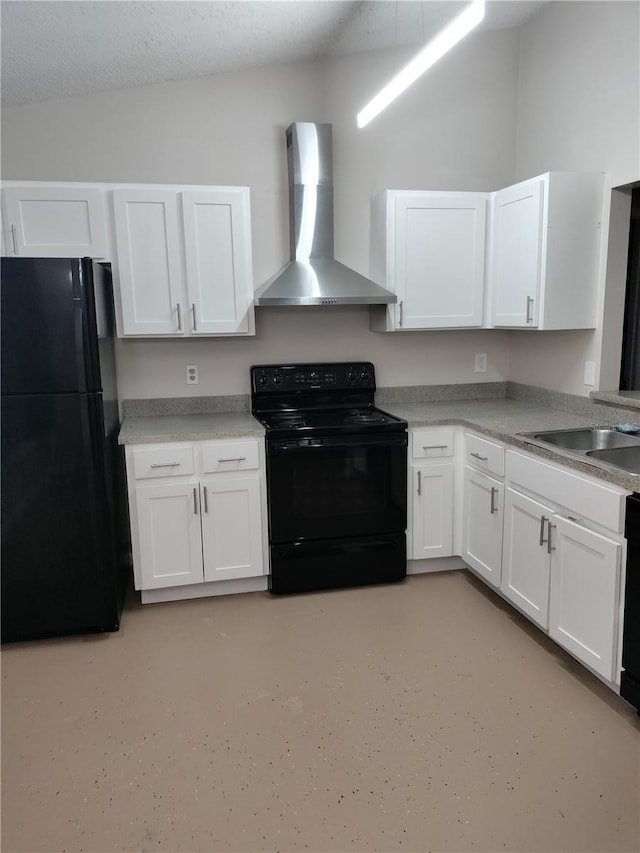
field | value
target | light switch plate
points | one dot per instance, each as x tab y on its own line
481	362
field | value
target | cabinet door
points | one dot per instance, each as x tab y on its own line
218	261
440	244
482	520
149	262
583	601
526	556
231	527
169	535
55	222
516	255
432	511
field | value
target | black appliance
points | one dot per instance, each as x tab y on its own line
59	428
630	677
336	477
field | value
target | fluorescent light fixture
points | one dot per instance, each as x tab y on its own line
428	56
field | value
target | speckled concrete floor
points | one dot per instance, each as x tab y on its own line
421	716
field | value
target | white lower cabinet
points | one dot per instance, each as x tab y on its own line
431	485
170	548
482	531
432	510
584	594
526	562
231	530
201	519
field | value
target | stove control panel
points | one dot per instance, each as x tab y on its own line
271	378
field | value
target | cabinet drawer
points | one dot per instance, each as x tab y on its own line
225	456
581	495
431	443
485	455
171	460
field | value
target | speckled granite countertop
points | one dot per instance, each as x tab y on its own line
197	427
626	399
501	419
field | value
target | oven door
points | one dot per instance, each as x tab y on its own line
324	488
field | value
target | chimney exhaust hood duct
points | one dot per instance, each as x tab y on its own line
313	276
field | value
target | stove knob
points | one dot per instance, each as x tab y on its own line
351	376
364	376
278	378
263	379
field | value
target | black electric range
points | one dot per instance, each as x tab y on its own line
336	476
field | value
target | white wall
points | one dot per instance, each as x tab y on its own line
454	130
579	109
562	94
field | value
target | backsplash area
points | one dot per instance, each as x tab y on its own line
584	406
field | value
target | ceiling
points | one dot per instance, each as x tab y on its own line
62	48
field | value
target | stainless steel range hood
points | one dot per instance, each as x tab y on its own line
313	276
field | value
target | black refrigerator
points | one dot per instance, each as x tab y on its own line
60	478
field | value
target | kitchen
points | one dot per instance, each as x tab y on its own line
509	105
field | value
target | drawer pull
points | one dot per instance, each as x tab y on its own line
481	458
233	459
550	547
494	508
435	446
543	519
529	317
164	464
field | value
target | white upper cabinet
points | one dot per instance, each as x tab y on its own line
429	249
54	220
183	261
544	252
216	230
149	267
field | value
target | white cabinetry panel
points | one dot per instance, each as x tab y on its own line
584	593
54	221
169	535
218	260
231	527
149	264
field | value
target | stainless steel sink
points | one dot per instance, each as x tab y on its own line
627	458
602	445
585	440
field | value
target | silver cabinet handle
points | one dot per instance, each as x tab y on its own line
400	307
179	313
543	519
164	464
13	240
494	508
481	458
233	459
195	501
419	482
435	446
529	317
193	312
206	502
550	547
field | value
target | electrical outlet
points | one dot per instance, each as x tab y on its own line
481	362
192	374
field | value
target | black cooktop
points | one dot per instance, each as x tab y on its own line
321	398
308	422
